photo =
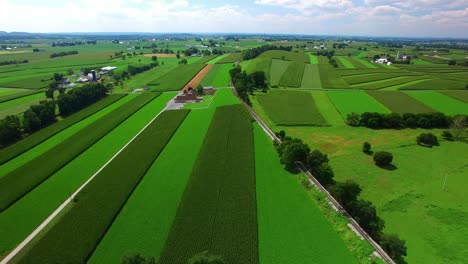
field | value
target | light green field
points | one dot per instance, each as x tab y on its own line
217	59
313	58
329	76
258	64
25	215
355	101
218	76
327	109
311	77
292	77
440	102
164	184
346	63
278	68
8	91
20	105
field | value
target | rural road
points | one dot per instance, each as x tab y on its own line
356	228
57	211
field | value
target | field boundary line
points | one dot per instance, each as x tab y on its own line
381	253
57	211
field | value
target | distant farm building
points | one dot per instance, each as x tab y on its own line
107	69
381	61
189	97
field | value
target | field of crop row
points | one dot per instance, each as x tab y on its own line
19	105
218	76
177	78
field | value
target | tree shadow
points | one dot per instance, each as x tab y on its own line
369	153
389	167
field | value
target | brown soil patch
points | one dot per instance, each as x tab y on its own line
160	55
15	51
437	56
199	77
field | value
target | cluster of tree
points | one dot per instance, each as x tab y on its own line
255	52
63	53
134	70
397	121
333	62
340	45
383	158
2	63
200	258
407	61
163	51
73	43
36	117
36	50
291	150
247	83
78	98
152	46
326	53
427	139
189	52
364	49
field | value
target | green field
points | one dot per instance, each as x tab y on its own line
355	101
24	216
286	55
12	94
346	63
292	77
177	78
231	58
313	58
164	185
459	95
79	230
440	102
310	237
387	83
327	108
257	64
311	77
217	59
329	76
437	84
19	182
19	105
278	68
218	76
27	83
399	102
291	108
217	211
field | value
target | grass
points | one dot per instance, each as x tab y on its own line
19	182
440	102
78	231
217	211
24	216
459	95
329	76
292	77
22	102
163	184
231	58
313	58
257	64
311	77
291	108
217	59
355	101
298	57
177	78
399	102
311	236
29	142
278	68
346	63
15	94
437	84
27	83
218	76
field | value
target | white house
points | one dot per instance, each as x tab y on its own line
382	60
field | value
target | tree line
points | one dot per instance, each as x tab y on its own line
255	52
247	83
2	63
397	121
63	53
291	150
73	43
78	98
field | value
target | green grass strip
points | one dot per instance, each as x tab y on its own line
441	102
42	135
218	208
355	101
217	59
17	95
311	77
19	182
21	101
346	63
206	59
313	58
76	234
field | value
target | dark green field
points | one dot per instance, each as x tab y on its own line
399	102
176	79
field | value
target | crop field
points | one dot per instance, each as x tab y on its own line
77	232
199	77
278	192
291	108
221	219
8	91
217	59
399	102
218	76
278	68
346	63
355	101
258	64
177	78
460	95
13	94
436	84
440	102
387	83
292	77
313	58
20	147
311	77
18	182
163	184
206	59
231	58
20	105
298	57
367	64
24	216
362	79
329	76
26	83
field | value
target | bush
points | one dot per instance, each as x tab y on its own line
383	158
205	258
427	139
447	135
394	247
352	119
366	147
397	121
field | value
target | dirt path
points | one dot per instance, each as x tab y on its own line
199	77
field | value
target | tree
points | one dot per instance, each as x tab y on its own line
183	61
324	174
316	158
58	77
205	258
365	214
70	71
281	135
352	119
452	62
31	121
459	127
447	135
10	130
50	93
154	58
200	90
366	147
383	158
178	55
110	88
427	139
394	247
137	258
295	151
346	192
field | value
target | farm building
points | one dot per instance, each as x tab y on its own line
381	61
105	70
189	97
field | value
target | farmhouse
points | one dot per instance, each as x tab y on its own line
189	97
382	61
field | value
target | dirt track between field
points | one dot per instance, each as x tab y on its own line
198	78
160	55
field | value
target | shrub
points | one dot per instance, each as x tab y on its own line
366	147
205	258
427	139
383	158
394	247
447	135
353	119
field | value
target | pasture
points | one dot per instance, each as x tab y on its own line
291	108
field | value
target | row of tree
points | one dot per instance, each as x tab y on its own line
247	83
78	98
255	52
10	62
73	43
292	150
134	70
63	53
36	117
397	121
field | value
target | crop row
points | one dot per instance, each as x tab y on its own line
436	84
17	95
286	55
399	102
330	77
387	82
29	142
353	80
20	181
177	78
218	208
76	234
231	58
292	77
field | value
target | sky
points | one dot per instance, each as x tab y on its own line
414	18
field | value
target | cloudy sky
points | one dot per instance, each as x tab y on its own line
419	18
